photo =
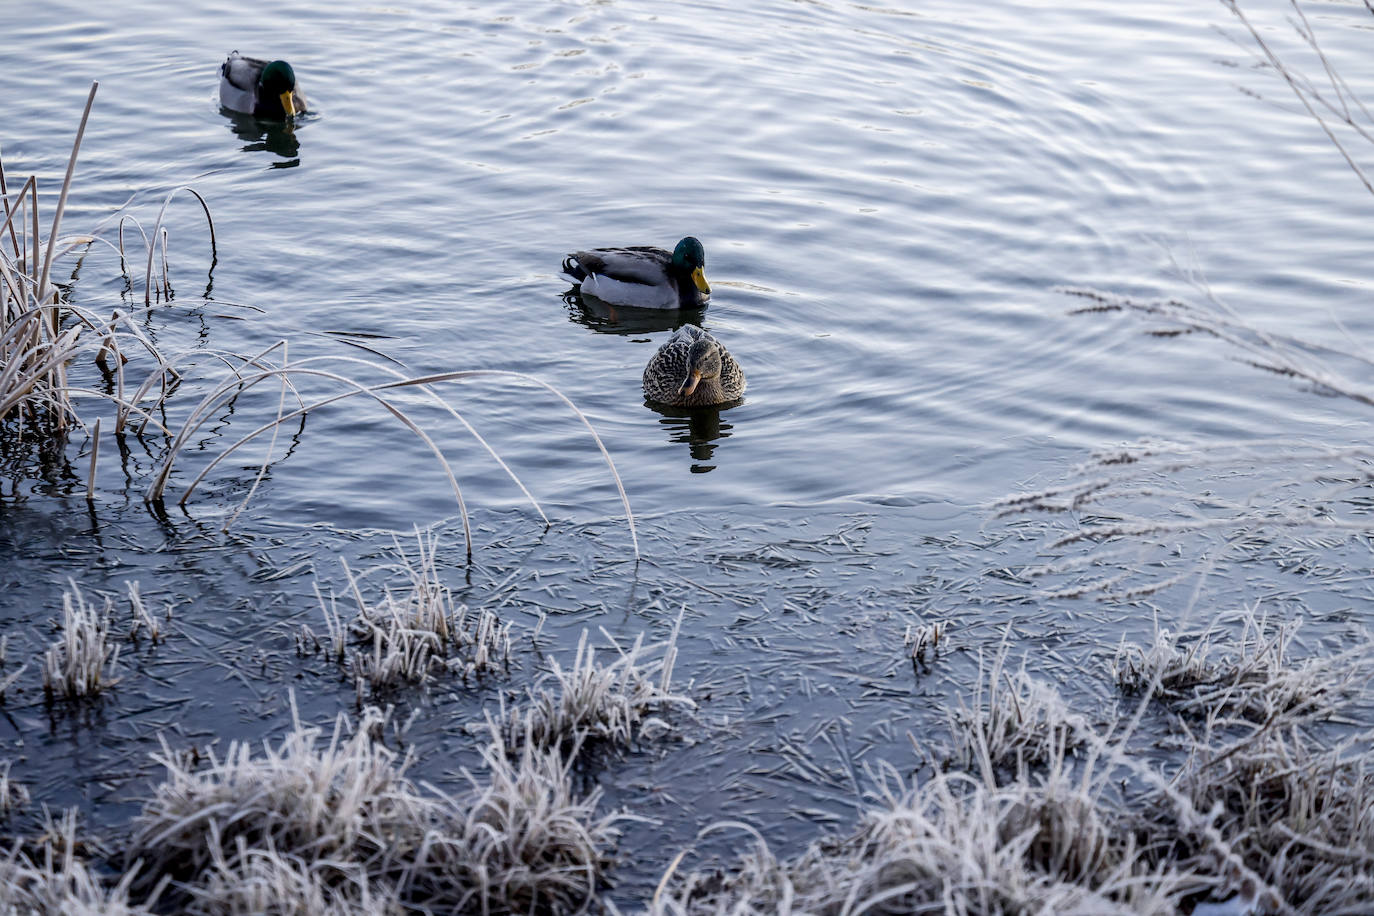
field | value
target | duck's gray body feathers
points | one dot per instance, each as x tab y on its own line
669	368
239	86
642	276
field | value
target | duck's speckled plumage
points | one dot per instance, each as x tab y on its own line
643	276
242	87
670	370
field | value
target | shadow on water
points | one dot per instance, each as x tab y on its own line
699	427
274	137
625	320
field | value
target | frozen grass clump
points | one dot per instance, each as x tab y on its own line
53	881
923	639
596	702
1248	676
141	621
1015	721
955	845
41	335
529	843
14	796
82	662
1298	817
343	823
263	881
411	630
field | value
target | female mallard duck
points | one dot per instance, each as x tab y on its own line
642	276
692	369
264	89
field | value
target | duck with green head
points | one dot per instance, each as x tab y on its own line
262	88
693	369
643	276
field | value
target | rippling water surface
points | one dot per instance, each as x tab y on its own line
893	199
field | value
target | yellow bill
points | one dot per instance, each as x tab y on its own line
699	278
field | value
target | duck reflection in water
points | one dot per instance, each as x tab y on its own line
277	137
699	427
625	320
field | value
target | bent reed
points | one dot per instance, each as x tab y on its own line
43	335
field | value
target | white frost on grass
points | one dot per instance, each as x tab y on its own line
411	630
1014	721
593	701
1247	675
342	822
81	663
55	882
955	845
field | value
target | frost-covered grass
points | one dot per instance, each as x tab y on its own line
339	821
1248	675
954	845
14	796
1266	815
1295	813
413	628
1013	721
82	662
598	702
49	878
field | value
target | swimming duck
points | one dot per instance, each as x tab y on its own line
264	89
643	276
693	369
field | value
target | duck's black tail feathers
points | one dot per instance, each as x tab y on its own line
574	269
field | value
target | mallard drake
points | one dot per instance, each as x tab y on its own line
264	89
693	369
643	276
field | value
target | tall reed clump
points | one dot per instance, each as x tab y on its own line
343	823
596	702
412	630
81	663
34	347
41	335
